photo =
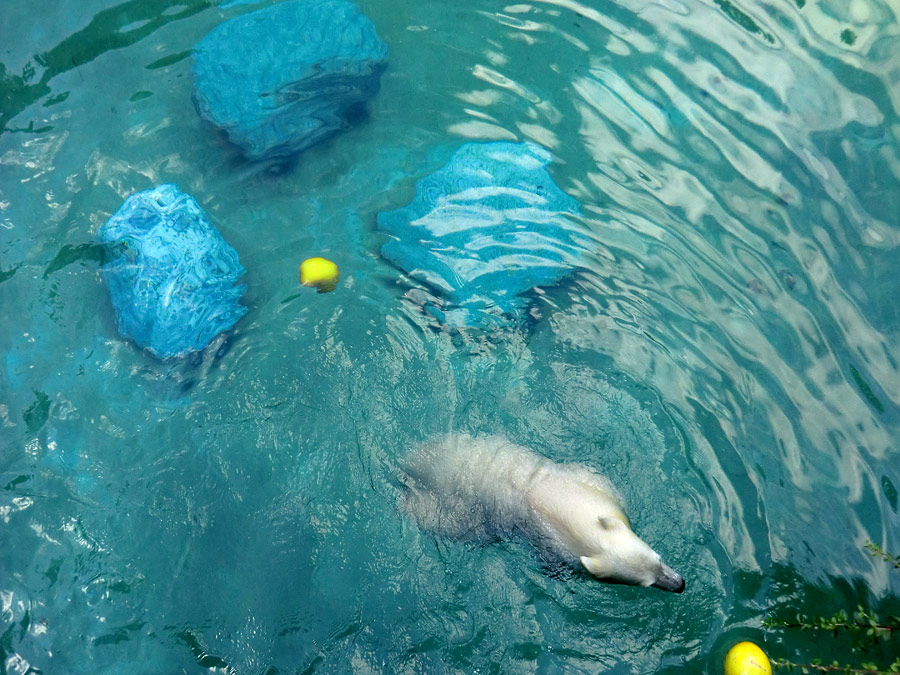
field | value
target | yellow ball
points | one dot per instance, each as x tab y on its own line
745	658
319	273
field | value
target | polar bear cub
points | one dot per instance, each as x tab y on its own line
487	487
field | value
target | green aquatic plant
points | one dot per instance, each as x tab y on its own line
816	666
877	551
860	621
864	628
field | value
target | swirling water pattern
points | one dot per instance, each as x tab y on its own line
727	354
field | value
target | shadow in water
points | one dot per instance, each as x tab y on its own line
110	29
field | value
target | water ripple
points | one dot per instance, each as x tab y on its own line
727	351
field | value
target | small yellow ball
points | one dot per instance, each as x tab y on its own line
319	273
745	658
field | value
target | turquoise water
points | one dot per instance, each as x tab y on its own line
729	357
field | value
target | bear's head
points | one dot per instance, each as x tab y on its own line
618	555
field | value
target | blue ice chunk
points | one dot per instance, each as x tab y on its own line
485	230
280	79
170	273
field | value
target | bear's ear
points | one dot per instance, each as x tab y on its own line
594	567
609	524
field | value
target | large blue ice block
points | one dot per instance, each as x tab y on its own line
485	230
170	273
280	79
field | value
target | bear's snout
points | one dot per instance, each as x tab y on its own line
669	580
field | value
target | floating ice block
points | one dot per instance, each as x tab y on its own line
485	230
280	79
169	272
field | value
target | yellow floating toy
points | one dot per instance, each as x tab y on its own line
745	658
319	273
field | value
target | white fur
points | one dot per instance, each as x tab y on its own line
465	487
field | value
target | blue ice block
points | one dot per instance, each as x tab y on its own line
170	273
280	79
485	230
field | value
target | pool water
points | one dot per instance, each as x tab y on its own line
728	355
